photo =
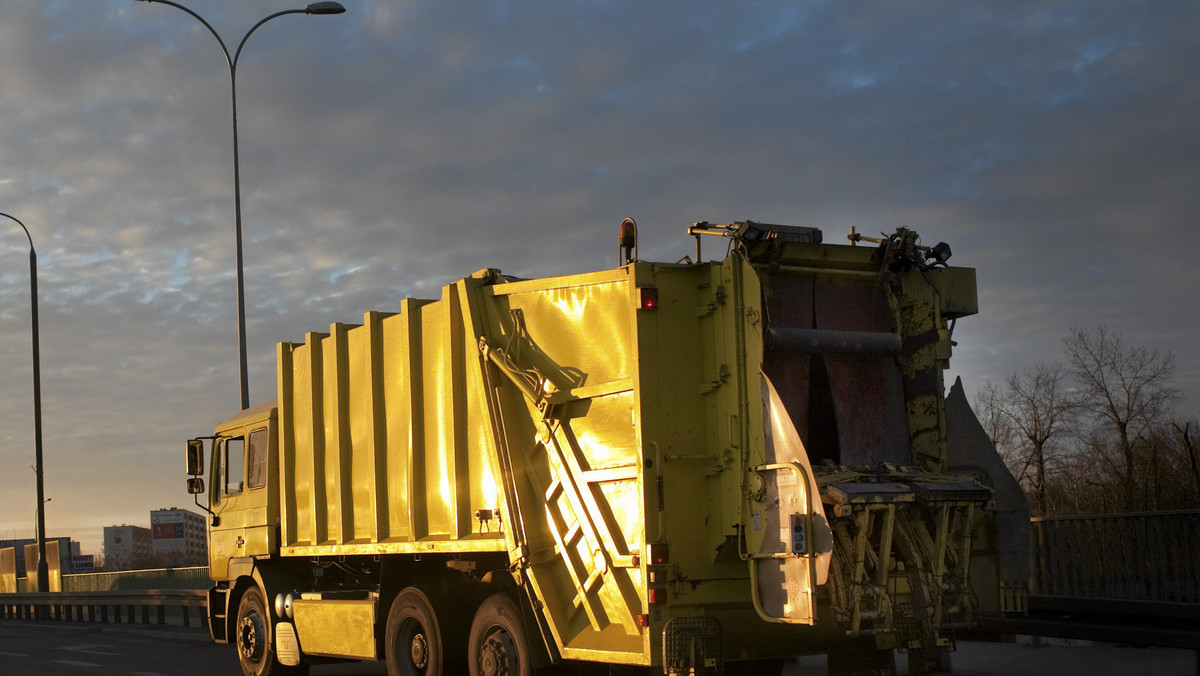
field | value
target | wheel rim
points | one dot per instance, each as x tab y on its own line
418	647
251	634
420	651
411	638
498	654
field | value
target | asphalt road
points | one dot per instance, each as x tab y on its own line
34	649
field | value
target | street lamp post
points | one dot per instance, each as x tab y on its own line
37	510
320	8
43	571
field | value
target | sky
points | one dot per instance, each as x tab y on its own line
392	149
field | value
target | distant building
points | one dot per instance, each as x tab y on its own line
179	537
127	547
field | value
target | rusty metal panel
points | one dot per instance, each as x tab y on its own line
850	407
867	392
790	305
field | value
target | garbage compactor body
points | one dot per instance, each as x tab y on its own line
687	467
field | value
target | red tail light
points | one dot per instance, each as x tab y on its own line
649	298
660	553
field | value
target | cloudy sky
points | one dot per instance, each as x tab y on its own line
386	151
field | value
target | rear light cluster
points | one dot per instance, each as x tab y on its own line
658	555
649	298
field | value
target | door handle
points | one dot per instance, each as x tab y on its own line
240	541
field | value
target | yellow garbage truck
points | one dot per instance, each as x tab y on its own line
676	468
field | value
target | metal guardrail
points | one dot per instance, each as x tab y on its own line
190	577
1124	578
1138	557
129	607
195	577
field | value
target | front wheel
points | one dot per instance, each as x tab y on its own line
252	634
499	644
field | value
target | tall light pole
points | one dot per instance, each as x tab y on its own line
314	8
43	571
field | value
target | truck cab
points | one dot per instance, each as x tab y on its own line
243	503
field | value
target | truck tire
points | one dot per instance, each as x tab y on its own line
498	644
252	635
419	640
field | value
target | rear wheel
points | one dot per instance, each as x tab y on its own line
418	642
499	644
252	634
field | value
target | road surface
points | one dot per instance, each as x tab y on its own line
39	649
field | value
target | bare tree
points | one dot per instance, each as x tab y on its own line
1126	389
113	562
989	407
1026	419
1188	443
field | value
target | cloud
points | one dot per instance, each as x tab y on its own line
397	147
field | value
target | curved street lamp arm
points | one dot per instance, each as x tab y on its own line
27	235
230	62
246	37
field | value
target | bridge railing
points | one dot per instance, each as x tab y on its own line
133	606
156	578
1138	556
157	596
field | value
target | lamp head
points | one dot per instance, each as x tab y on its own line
324	8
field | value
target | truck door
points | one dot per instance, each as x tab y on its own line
227	536
239	500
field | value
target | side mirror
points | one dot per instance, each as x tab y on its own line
195	461
195	485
